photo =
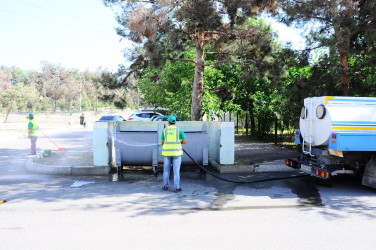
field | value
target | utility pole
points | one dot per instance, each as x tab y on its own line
57	86
80	91
138	100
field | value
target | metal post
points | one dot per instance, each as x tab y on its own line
275	130
237	122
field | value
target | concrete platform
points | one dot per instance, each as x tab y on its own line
253	156
250	157
66	163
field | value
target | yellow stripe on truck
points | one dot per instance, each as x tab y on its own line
327	99
354	128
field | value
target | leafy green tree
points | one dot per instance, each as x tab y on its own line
54	86
18	97
14	93
51	81
170	26
114	89
366	36
341	26
363	78
71	83
5	83
169	87
92	89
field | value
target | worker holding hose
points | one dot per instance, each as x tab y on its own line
32	133
172	150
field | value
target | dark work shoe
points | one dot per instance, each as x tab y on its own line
178	190
165	188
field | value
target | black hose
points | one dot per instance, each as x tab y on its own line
241	182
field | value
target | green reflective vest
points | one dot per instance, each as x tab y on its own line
172	146
34	129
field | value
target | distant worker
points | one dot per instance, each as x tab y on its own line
33	133
172	150
82	120
70	120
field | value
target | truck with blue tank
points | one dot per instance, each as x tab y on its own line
337	135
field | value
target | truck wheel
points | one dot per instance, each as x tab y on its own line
369	175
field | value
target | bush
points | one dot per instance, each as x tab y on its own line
86	105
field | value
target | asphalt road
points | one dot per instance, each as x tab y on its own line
133	212
251	151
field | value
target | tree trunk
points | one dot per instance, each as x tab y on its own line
55	104
345	83
343	50
342	44
198	83
10	108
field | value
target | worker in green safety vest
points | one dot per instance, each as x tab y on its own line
33	133
172	150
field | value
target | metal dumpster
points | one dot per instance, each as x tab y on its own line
138	144
197	145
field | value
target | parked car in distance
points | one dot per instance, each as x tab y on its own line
160	118
111	118
164	118
143	116
163	111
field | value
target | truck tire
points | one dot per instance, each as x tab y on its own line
369	175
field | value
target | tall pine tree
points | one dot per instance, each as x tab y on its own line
165	28
334	24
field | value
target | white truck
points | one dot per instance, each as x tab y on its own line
337	135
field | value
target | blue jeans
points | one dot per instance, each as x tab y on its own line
176	162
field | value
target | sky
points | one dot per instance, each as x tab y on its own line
73	33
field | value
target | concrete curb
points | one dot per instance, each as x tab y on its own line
32	166
273	166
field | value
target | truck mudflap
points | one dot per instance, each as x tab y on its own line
369	175
308	168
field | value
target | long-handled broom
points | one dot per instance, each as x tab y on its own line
58	148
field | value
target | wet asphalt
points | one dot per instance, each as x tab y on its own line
131	211
12	170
